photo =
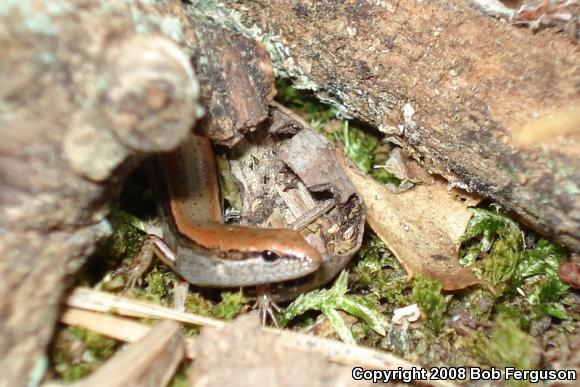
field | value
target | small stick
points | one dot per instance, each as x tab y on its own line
118	328
311	215
84	298
180	291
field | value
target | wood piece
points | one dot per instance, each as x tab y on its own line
83	97
350	355
226	357
119	328
311	157
406	169
84	298
151	361
180	292
444	81
235	75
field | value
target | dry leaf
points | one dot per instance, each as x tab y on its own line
406	169
421	226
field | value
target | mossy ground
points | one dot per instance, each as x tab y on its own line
468	328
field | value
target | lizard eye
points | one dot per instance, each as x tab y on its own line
269	255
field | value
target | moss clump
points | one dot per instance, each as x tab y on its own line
159	287
180	378
231	305
359	147
514	271
197	304
499	266
536	276
329	301
78	352
127	236
366	151
378	272
316	113
498	240
507	346
427	294
502	238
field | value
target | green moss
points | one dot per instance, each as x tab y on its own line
127	237
305	103
483	229
124	242
427	294
379	272
180	378
78	352
229	188
537	277
489	224
159	288
197	304
507	346
231	305
544	258
499	266
366	151
499	240
359	147
329	301
514	271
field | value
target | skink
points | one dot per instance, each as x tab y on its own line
197	244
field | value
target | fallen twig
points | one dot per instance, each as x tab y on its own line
88	299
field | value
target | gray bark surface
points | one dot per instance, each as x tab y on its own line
87	90
448	84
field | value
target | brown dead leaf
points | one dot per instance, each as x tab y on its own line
421	226
406	169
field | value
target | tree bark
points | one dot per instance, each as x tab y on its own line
448	84
87	89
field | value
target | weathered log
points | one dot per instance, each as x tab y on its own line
87	89
448	84
235	75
